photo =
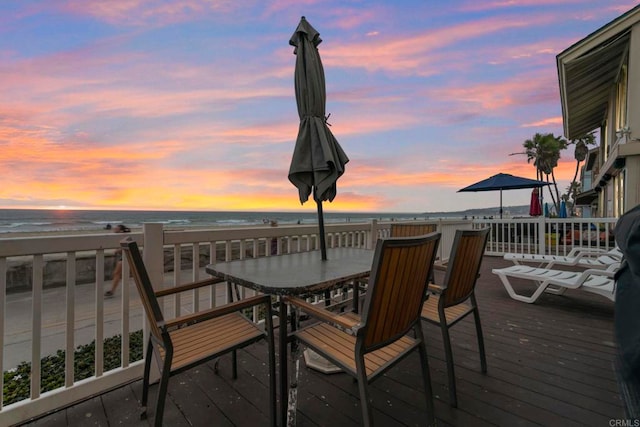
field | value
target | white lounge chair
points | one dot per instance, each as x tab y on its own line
600	282
580	257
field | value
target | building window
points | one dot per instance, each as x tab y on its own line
605	135
621	99
619	194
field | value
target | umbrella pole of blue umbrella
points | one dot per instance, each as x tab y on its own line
501	203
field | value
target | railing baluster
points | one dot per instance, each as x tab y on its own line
176	299
69	359
212	260
99	356
3	294
195	274
36	324
126	316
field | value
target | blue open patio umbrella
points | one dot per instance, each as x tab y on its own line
504	181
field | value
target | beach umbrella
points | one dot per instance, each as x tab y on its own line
534	207
318	160
546	210
563	210
503	181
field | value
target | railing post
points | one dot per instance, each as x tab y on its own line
542	225
373	234
153	253
153	257
440	229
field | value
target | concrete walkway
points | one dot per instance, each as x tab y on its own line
18	318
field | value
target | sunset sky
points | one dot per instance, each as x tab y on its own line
190	104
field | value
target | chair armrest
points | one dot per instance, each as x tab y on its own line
219	311
342	322
609	272
436	289
581	252
188	287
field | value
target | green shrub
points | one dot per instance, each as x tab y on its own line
17	381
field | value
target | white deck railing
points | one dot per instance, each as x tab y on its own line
59	305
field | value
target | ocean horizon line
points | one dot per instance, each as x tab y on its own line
53	220
94	220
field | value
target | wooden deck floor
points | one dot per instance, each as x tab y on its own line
550	364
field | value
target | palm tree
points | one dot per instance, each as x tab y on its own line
544	151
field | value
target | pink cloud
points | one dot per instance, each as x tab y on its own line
480	5
517	90
152	12
415	54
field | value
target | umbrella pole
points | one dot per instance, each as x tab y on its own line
323	243
501	203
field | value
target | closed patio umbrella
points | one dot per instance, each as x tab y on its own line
534	207
318	160
563	210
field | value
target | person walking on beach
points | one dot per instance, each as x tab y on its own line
117	271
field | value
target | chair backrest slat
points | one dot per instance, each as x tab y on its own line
143	283
464	265
408	230
397	287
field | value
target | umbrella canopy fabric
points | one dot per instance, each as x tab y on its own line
546	210
503	181
318	160
534	207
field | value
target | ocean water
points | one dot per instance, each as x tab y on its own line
41	220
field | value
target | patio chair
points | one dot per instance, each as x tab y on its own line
597	281
411	229
186	341
366	346
580	257
397	230
455	298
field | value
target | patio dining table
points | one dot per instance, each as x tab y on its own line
296	274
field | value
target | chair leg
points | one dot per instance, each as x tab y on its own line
272	371
162	389
483	357
234	365
367	412
426	378
453	400
145	380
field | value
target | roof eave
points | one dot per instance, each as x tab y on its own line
599	37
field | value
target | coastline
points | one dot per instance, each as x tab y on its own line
14	221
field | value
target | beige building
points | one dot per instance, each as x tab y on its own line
600	91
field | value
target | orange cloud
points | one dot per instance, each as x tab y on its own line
544	122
